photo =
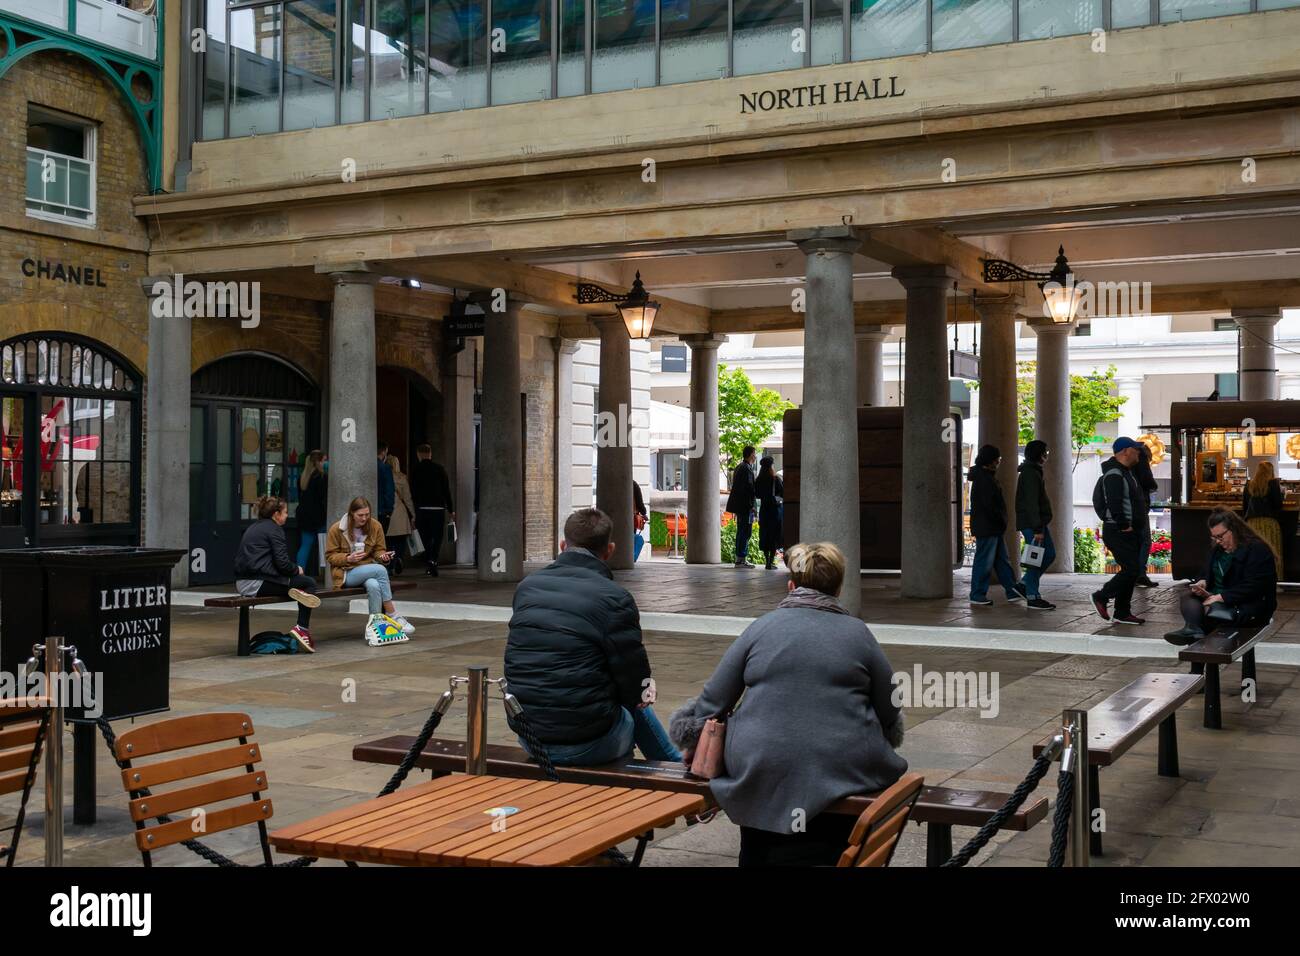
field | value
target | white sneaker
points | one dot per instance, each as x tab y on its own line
407	626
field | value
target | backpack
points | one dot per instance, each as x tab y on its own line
272	642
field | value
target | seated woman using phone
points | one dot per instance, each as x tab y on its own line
358	556
1239	586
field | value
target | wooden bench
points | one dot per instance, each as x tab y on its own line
245	603
1124	718
940	808
1219	649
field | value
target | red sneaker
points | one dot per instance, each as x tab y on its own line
1099	603
303	637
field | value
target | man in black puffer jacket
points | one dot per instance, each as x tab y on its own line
574	657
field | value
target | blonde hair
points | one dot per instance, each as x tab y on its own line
1258	484
818	566
312	466
394	463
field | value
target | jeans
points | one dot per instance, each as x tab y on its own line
1126	547
1032	575
429	522
638	543
639	726
306	546
374	577
991	556
299	581
1144	549
744	531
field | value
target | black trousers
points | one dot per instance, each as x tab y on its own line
826	837
430	523
299	581
744	531
1126	546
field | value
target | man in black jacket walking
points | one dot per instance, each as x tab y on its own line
1033	515
1147	484
1117	500
431	493
988	524
574	657
740	502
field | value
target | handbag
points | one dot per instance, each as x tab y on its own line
414	543
638	521
1031	556
1218	611
708	759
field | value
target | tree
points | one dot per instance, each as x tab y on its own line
1091	403
746	415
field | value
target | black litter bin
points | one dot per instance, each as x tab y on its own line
114	605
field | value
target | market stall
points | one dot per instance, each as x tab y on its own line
1214	446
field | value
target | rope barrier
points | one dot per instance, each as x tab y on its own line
1061	822
1018	796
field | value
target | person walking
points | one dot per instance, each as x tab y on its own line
1239	586
1115	498
403	519
1033	515
311	508
740	502
387	489
771	497
1147	485
640	518
431	494
818	720
574	657
263	567
1261	503
988	525
358	556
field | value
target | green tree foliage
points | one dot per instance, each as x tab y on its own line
1091	403
746	415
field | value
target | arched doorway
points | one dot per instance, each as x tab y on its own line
408	410
69	443
253	418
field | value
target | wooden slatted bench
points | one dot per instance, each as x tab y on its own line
1219	649
940	808
245	603
1124	718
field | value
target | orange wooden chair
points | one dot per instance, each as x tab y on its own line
181	733
23	725
875	835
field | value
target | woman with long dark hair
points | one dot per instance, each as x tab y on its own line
1239	586
311	506
771	497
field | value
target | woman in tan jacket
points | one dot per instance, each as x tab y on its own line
403	520
358	556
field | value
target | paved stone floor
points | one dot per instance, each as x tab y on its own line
1237	802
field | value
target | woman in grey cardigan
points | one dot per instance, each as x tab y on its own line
817	722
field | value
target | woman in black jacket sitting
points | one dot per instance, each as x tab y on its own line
1239	586
263	566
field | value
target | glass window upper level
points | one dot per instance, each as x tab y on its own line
298	64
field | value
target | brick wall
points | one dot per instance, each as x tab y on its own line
537	379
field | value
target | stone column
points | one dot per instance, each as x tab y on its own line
829	507
352	430
703	505
167	458
928	533
613	435
564	352
871	366
999	421
501	452
1257	368
1052	425
457	452
1130	413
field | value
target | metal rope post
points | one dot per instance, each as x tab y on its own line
476	725
54	755
1075	757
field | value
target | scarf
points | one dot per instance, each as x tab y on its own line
814	599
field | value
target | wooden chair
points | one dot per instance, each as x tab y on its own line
875	835
181	733
23	726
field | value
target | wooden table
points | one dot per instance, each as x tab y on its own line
463	820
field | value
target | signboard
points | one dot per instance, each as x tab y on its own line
460	326
672	358
963	365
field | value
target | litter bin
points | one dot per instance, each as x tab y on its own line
114	604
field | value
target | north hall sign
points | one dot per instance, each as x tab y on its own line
820	94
